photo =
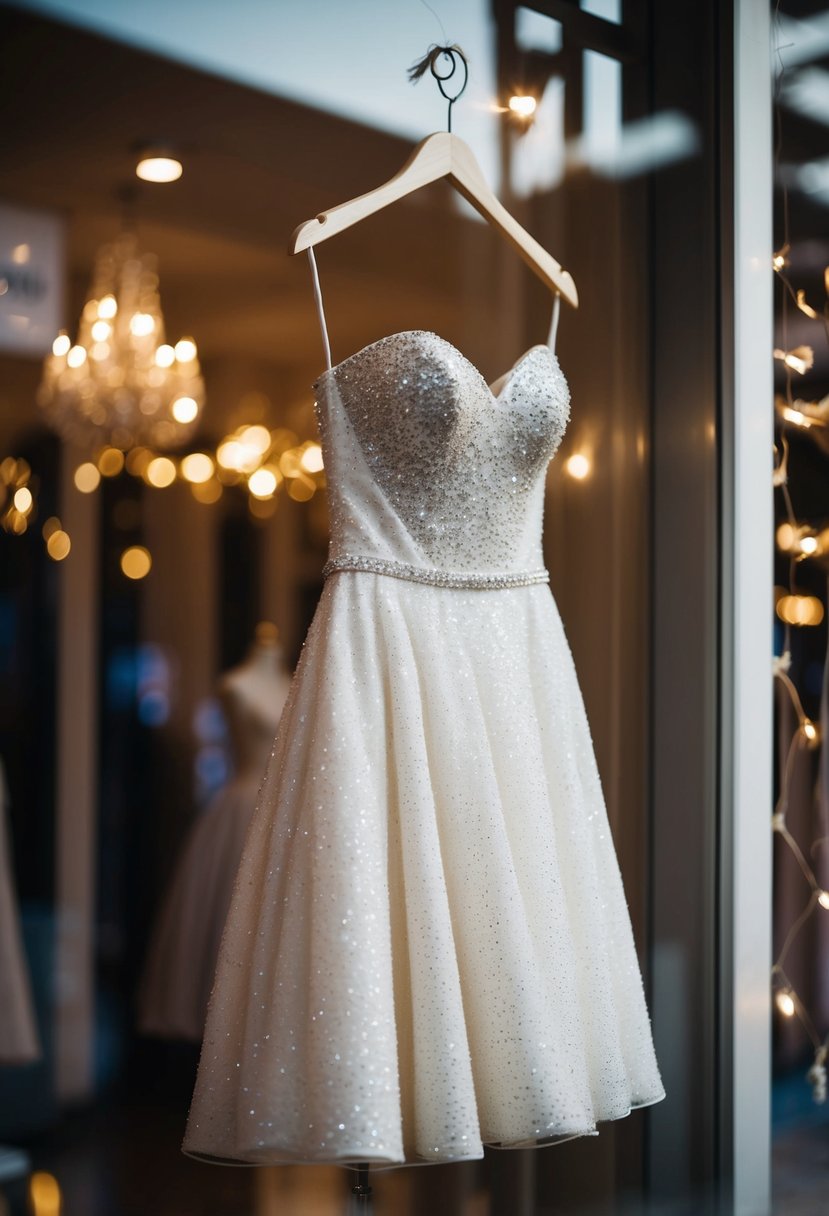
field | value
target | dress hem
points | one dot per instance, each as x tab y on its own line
354	1160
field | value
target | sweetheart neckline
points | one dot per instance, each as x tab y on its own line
506	376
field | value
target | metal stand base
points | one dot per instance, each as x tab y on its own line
362	1190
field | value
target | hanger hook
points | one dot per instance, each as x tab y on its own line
430	61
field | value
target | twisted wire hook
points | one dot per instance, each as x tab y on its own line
430	61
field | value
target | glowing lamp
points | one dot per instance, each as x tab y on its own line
578	466
784	1003
159	167
523	105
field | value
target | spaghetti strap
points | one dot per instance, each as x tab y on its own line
551	337
321	311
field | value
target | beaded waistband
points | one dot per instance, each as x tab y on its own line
459	579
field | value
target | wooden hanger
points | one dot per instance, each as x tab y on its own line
440	155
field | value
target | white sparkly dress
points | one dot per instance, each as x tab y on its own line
429	948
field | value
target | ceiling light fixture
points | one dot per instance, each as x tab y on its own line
121	382
157	164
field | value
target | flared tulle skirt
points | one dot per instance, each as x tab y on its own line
429	947
184	946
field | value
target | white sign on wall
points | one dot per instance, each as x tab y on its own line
31	279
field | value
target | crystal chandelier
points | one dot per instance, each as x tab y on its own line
121	383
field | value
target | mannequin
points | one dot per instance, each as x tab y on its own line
18	1033
181	961
252	697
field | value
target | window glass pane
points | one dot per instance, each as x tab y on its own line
536	32
609	10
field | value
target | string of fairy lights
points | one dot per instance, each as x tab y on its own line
801	541
264	462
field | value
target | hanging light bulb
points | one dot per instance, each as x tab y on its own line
784	1002
810	732
522	105
799	360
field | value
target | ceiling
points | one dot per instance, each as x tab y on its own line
255	166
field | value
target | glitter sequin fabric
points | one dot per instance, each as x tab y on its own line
429	947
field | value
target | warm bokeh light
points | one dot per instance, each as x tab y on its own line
197	467
165	356
108	307
799	609
577	466
100	331
523	104
257	437
243	452
799	360
185	350
142	324
161	472
823	899
289	463
185	409
61	345
311	459
12	468
44	1194
810	731
111	462
21	254
76	356
262	483
796	417
138	460
51	525
159	169
87	477
265	463
229	453
23	499
784	1003
785	537
58	545
136	562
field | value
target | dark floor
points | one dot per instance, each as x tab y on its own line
122	1158
800	1148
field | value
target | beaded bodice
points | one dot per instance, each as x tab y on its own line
429	465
